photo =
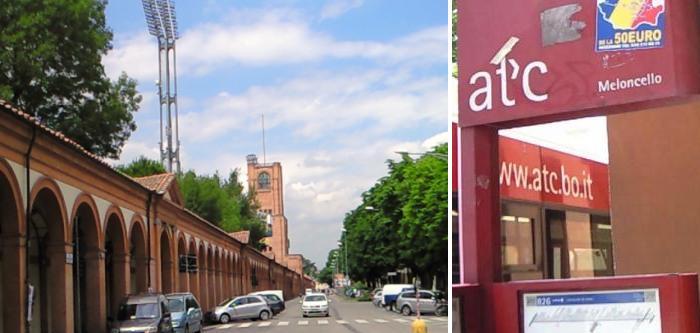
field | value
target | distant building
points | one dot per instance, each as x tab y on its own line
266	180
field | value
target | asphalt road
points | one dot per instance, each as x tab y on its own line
347	316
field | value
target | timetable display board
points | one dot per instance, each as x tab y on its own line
609	311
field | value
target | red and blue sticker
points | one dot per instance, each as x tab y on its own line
630	24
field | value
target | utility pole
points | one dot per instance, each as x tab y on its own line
160	17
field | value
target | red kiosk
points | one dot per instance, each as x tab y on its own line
524	63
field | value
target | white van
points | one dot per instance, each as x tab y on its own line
277	293
391	291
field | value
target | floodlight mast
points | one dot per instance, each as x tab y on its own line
162	23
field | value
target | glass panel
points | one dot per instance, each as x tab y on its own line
578	232
517	240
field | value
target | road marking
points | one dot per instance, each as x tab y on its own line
283	323
225	327
323	322
245	325
440	319
342	322
401	320
381	321
303	322
426	320
263	324
361	321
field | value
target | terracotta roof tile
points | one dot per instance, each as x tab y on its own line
159	183
241	236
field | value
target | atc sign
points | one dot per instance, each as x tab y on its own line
524	62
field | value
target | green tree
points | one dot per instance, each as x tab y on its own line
224	203
310	268
50	66
402	222
142	167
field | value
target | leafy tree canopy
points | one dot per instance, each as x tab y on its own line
142	167
401	222
50	66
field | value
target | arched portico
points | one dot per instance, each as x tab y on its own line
117	261
166	263
138	258
12	251
203	270
183	277
89	294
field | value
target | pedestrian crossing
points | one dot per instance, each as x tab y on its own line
322	322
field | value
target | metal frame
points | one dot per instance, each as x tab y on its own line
162	23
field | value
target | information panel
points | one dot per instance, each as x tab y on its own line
614	311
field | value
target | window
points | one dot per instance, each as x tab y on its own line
176	304
192	303
253	300
425	295
264	181
240	301
517	240
408	295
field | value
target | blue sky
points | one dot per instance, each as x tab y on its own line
343	85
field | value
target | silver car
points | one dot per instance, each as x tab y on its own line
143	313
242	307
186	312
407	302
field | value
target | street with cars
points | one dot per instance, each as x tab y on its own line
344	315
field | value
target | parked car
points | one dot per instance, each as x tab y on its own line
407	302
315	304
377	299
242	307
278	293
275	303
186	312
375	291
391	291
143	313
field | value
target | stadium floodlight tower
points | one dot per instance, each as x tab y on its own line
160	17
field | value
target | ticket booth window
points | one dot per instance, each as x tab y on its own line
518	240
578	244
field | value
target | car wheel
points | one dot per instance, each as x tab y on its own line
224	318
264	315
303	316
405	310
327	314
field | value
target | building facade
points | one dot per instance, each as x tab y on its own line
266	180
77	236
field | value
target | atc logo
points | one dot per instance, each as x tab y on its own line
630	24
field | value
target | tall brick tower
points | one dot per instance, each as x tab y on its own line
266	180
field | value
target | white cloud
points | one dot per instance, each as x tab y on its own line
263	38
335	8
321	104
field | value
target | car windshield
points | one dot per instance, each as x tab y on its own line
225	302
176	304
314	298
138	311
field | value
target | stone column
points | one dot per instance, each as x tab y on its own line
14	272
141	270
121	266
211	286
60	287
95	294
